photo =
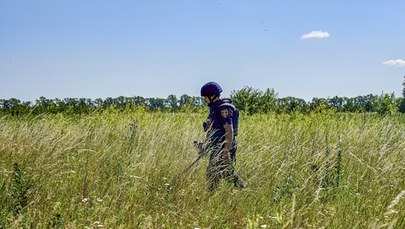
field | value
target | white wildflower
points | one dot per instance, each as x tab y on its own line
98	224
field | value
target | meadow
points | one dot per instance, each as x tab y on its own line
123	169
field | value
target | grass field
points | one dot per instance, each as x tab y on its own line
117	170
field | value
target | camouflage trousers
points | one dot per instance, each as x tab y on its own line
219	169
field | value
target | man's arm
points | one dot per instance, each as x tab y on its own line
228	141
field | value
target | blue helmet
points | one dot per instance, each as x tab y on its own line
211	88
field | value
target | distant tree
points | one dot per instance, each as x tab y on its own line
337	103
318	105
85	105
14	106
172	102
53	107
120	102
59	102
386	104
403	89
199	101
108	102
268	100
399	101
99	102
290	105
43	104
156	104
247	99
363	103
71	105
139	101
402	103
5	104
370	105
186	102
359	103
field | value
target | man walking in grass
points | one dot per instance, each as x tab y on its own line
222	128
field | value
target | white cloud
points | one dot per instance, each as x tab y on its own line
315	34
395	63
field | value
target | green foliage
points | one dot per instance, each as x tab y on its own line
291	105
86	106
403	89
386	104
20	188
248	100
401	103
15	194
56	221
254	101
114	169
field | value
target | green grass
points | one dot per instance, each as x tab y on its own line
116	170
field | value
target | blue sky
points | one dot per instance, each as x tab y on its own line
99	49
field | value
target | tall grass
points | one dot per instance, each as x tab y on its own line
115	170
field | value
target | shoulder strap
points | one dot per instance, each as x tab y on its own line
227	105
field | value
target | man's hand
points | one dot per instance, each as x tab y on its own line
228	137
198	144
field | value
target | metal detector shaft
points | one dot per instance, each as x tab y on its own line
192	164
202	152
187	169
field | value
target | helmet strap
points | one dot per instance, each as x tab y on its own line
212	99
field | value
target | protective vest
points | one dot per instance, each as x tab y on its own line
235	114
221	112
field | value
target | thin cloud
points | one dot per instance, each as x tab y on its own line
315	34
395	63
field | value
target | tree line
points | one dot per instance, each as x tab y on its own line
85	105
255	101
247	99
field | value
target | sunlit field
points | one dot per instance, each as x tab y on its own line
125	170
